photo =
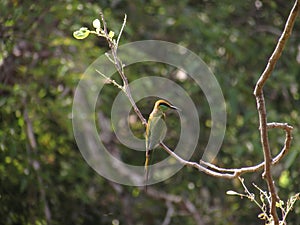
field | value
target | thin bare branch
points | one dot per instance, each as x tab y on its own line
104	23
258	92
194	164
110	80
278	49
121	30
232	173
188	205
109	58
169	214
119	66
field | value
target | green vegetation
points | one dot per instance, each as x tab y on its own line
43	177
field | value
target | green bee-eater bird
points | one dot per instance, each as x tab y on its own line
156	129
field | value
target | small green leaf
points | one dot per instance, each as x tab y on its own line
284	179
82	33
280	204
111	34
262	216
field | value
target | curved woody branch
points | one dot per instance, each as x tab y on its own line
261	108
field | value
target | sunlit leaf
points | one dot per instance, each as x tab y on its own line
111	34
82	33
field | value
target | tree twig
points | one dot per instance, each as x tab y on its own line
121	30
169	214
258	93
219	172
278	49
119	66
188	205
109	80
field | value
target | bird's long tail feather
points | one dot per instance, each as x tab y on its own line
146	168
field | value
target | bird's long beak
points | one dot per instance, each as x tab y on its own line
176	108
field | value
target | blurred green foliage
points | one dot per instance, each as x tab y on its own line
41	64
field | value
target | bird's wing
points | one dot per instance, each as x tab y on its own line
156	132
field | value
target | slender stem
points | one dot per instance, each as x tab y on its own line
121	31
278	49
215	171
267	156
258	92
110	80
186	204
119	66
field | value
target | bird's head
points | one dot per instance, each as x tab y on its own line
163	105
